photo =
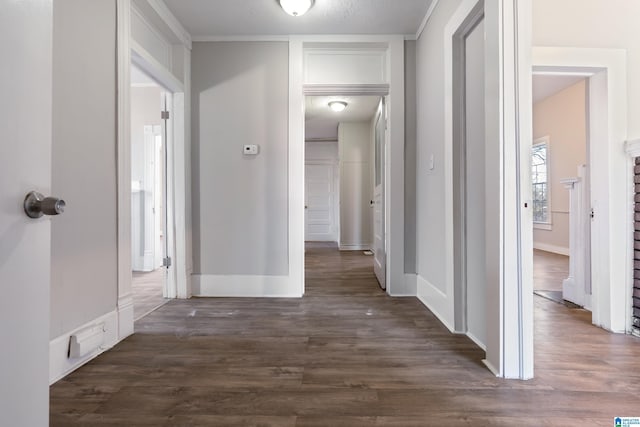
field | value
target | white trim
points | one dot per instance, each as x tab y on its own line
560	250
125	325
318	89
139	15
632	147
356	247
476	341
513	125
410	284
542	226
209	285
150	65
61	365
435	300
259	38
125	316
492	368
426	18
171	21
178	168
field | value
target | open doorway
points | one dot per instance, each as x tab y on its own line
344	176
560	188
149	249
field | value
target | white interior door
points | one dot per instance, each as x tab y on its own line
25	254
379	254
320	221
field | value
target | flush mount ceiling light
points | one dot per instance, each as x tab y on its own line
337	106
296	7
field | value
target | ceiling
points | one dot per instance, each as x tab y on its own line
545	85
322	123
236	18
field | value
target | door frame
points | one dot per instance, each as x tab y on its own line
128	52
509	292
458	166
397	282
611	240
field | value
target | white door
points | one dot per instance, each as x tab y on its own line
25	254
320	221
379	254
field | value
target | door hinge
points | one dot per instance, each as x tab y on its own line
166	262
164	115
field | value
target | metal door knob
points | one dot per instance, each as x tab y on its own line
36	205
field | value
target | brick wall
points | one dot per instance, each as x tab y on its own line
636	252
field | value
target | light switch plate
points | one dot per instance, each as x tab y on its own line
250	149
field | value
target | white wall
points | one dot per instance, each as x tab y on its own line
430	185
84	168
240	210
561	117
354	141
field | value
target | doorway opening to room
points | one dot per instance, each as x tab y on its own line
149	212
474	204
561	194
561	198
345	141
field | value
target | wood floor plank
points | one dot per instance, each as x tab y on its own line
344	355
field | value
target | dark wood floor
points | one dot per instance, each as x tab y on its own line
344	355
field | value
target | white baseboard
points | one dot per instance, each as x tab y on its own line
491	367
551	248
476	341
125	316
59	362
208	285
355	247
436	301
408	288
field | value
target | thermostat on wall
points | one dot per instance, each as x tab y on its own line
251	149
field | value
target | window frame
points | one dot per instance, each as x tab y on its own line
545	140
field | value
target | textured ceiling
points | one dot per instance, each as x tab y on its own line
229	18
322	122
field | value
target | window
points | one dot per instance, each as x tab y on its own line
540	181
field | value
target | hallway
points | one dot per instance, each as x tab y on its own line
344	355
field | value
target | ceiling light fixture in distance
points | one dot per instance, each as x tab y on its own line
337	106
296	7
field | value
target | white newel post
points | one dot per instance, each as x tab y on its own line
574	286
